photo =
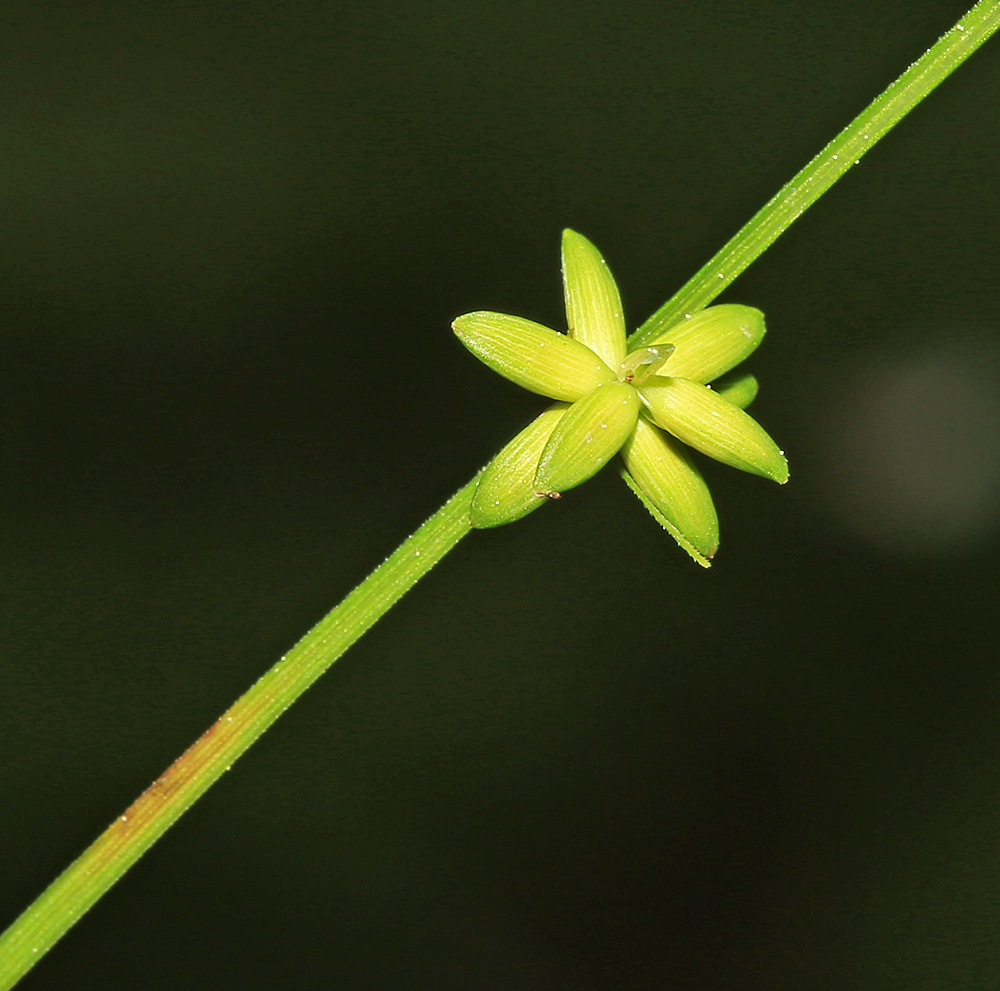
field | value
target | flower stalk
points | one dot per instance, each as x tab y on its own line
839	156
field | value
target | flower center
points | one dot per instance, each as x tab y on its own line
643	364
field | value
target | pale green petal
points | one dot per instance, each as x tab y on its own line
694	414
593	304
712	341
588	436
642	364
533	356
668	480
738	389
506	489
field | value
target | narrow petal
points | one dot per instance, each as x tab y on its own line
738	389
668	480
593	304
531	355
712	341
588	437
644	363
506	489
694	414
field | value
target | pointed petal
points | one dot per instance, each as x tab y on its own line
588	437
593	305
740	390
506	489
694	414
712	341
531	355
665	478
643	363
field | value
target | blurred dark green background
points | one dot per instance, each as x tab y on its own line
235	237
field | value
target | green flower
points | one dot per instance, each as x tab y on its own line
647	404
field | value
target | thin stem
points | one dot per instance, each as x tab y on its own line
149	817
809	184
213	753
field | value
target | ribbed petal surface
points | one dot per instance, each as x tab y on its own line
506	489
712	341
533	356
587	437
663	471
593	304
704	420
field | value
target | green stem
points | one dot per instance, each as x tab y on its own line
811	182
149	817
127	838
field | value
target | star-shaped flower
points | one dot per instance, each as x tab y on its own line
648	404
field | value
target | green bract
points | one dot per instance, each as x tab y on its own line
647	404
